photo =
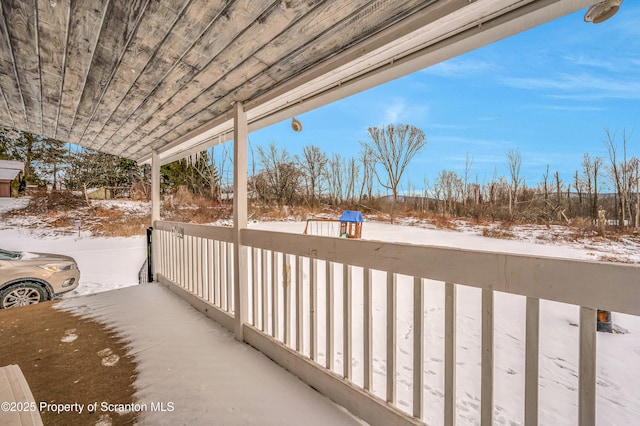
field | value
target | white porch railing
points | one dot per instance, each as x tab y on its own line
302	311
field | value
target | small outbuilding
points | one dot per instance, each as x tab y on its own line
351	224
9	171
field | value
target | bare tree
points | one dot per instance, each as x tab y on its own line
620	172
514	161
451	187
280	179
313	164
335	178
468	162
351	178
394	146
590	174
368	171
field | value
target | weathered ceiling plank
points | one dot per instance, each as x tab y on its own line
53	22
5	114
215	39
195	19
20	16
366	20
116	32
9	78
153	28
300	33
226	65
86	18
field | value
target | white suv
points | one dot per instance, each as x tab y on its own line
28	278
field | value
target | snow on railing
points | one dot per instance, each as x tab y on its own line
314	305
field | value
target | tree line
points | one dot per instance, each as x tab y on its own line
315	177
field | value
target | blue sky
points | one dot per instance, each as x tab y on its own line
549	92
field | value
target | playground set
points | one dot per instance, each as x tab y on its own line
348	226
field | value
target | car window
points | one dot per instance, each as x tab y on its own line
9	255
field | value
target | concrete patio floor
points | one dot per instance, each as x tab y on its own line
196	368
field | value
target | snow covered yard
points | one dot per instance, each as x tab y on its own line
109	263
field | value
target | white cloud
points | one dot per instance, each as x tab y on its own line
393	111
459	68
586	85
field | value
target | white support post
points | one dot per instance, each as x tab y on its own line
155	187
240	166
155	205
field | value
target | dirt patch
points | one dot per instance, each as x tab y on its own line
67	359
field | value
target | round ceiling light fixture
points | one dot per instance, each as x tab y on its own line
296	125
602	11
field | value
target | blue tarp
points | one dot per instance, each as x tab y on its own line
351	216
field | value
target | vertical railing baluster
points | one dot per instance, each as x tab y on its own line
216	274
346	321
274	295
160	245
203	268
191	264
587	366
210	271
254	286
418	343
223	275
486	380
198	255
174	258
532	337
230	296
265	295
392	295
195	265
182	262
286	283
188	263
367	329
299	306
313	308
329	309
450	354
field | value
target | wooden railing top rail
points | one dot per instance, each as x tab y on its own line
220	233
600	285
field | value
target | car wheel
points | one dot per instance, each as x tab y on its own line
22	294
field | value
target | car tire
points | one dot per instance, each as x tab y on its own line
22	294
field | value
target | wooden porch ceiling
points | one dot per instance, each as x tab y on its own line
130	76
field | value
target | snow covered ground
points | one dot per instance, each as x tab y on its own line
108	263
104	263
